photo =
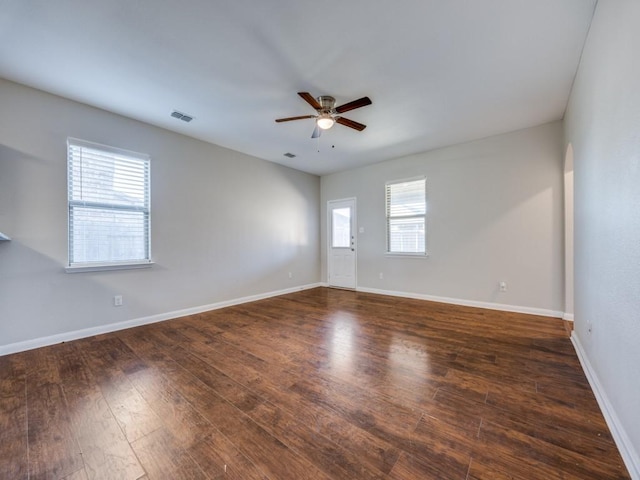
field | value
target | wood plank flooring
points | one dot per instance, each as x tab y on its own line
321	384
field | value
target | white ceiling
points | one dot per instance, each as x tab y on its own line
439	72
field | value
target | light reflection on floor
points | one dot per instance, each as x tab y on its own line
341	345
407	363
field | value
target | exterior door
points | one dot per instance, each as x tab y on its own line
341	255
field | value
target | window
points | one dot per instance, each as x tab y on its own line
341	228
406	211
109	211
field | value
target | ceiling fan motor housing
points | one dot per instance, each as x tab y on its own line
327	103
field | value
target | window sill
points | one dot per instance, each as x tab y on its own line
101	267
406	255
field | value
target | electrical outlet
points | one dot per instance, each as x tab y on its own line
290	275
381	276
117	301
503	286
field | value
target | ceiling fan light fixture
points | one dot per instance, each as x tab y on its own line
325	121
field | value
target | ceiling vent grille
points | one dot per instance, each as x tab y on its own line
181	116
290	155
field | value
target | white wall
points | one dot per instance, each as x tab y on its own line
494	213
224	225
603	126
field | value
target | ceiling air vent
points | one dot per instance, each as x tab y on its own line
290	155
181	116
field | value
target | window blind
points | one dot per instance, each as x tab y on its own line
109	205
406	207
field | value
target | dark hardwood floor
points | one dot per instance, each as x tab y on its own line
321	384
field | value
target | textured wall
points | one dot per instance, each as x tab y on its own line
603	127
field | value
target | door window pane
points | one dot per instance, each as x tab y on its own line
341	227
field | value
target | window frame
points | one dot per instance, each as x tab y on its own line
389	217
145	209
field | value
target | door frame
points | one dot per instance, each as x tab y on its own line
329	229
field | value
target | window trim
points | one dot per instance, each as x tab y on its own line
78	267
388	252
101	267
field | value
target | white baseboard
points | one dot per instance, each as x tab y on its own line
629	455
467	303
568	317
113	327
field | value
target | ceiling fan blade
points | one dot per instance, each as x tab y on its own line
361	102
350	123
288	119
316	132
310	100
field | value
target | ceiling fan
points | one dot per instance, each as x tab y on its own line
327	114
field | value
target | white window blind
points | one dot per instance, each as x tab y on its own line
109	200
406	211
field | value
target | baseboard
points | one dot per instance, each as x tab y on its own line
113	327
568	317
467	303
628	453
